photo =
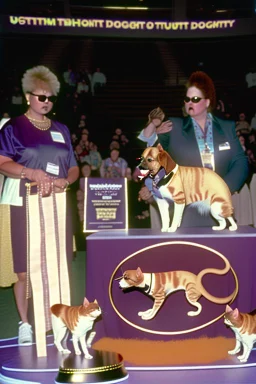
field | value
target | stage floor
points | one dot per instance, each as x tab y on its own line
20	365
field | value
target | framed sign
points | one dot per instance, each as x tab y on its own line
105	204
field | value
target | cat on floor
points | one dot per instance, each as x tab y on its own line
244	327
79	320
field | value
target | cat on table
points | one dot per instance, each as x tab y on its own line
79	320
244	327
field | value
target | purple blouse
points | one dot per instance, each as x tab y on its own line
50	151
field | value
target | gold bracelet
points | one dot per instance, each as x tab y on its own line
23	173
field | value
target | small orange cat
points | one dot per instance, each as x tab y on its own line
244	327
162	284
186	185
78	320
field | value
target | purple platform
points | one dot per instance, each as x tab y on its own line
20	365
110	253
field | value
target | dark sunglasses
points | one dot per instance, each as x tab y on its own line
43	98
194	99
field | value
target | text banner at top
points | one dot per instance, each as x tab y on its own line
127	28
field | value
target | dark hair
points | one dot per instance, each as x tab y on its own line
203	82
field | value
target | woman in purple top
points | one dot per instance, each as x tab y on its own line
33	148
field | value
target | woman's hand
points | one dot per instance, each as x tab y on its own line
156	116
166	126
60	185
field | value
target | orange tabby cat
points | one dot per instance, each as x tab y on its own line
186	185
244	327
162	284
79	320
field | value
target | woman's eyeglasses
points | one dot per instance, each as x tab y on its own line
43	98
194	99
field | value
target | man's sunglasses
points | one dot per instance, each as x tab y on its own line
194	99
43	98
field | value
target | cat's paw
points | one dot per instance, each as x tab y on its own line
233	352
242	359
172	229
141	314
219	227
148	315
65	351
88	356
78	352
164	229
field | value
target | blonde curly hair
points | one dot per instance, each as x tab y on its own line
40	76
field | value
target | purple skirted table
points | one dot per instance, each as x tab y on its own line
110	253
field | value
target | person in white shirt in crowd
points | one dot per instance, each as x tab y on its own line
99	80
82	87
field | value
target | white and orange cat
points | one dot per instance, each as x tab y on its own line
79	320
244	327
184	186
162	284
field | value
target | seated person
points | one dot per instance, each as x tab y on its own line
114	166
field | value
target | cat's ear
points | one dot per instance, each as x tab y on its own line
138	272
228	309
96	302
86	302
235	313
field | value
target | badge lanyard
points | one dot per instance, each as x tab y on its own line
205	143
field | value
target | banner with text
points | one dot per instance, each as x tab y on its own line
105	204
126	27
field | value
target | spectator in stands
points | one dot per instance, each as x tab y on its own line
117	134
114	166
82	87
185	138
242	126
94	159
69	77
85	75
114	145
99	80
73	138
80	152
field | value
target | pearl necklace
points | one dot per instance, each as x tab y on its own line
43	125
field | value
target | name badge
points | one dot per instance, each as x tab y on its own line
224	146
57	137
53	169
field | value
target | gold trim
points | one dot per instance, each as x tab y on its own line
166	332
91	370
